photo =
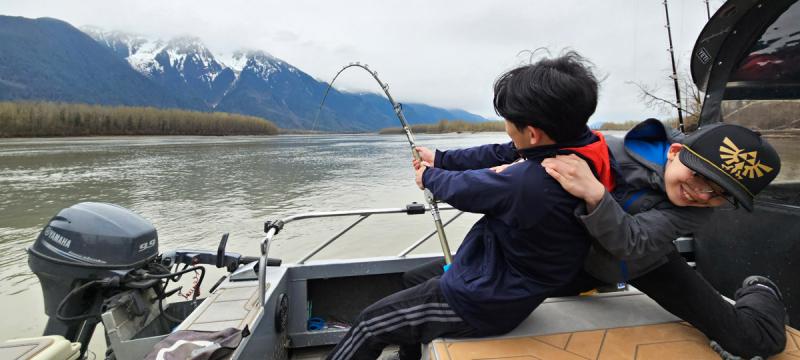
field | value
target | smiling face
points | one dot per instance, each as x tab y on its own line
687	188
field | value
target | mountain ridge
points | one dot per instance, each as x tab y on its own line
255	82
50	60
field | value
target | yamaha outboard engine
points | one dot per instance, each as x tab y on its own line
81	257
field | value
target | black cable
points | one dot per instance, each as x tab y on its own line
165	274
161	269
173	276
214	287
161	298
72	293
166	315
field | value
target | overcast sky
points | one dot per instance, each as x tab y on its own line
444	53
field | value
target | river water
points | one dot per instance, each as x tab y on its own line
194	189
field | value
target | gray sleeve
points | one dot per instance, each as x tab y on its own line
628	236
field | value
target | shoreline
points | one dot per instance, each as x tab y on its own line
787	133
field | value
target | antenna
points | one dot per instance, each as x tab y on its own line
708	10
674	70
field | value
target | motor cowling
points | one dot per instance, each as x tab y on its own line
97	236
87	242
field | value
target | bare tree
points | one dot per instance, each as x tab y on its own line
691	100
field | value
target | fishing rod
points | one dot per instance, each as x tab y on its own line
674	71
398	110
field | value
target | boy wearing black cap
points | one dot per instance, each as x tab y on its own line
669	182
664	191
666	184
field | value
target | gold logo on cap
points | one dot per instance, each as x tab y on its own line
741	163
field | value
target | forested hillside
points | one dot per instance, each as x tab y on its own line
32	119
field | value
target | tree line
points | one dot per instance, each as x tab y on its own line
448	126
39	119
627	125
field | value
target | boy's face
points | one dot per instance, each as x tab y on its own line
687	188
521	139
528	137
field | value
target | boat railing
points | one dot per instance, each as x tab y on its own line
272	228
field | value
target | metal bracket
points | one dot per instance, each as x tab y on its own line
276	224
415	209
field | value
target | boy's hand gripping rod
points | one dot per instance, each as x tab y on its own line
398	110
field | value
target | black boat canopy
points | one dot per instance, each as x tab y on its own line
749	50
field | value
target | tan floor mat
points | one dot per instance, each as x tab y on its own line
662	341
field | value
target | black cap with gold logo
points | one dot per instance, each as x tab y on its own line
734	157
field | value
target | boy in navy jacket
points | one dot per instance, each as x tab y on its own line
527	245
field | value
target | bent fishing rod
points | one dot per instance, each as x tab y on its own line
398	110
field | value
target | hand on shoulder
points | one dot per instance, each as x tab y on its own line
575	176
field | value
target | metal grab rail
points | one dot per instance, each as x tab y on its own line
332	239
273	227
262	265
428	236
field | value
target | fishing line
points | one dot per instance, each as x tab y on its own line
398	111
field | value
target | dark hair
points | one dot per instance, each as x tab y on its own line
556	95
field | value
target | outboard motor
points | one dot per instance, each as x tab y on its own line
94	258
88	253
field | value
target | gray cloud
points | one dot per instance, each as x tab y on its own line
445	53
285	36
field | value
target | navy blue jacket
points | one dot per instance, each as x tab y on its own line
528	244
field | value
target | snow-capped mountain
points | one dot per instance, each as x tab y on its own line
182	65
235	61
125	69
260	62
48	59
254	82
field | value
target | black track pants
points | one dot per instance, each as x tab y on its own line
423	273
753	326
415	315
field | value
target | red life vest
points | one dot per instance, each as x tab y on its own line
598	157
